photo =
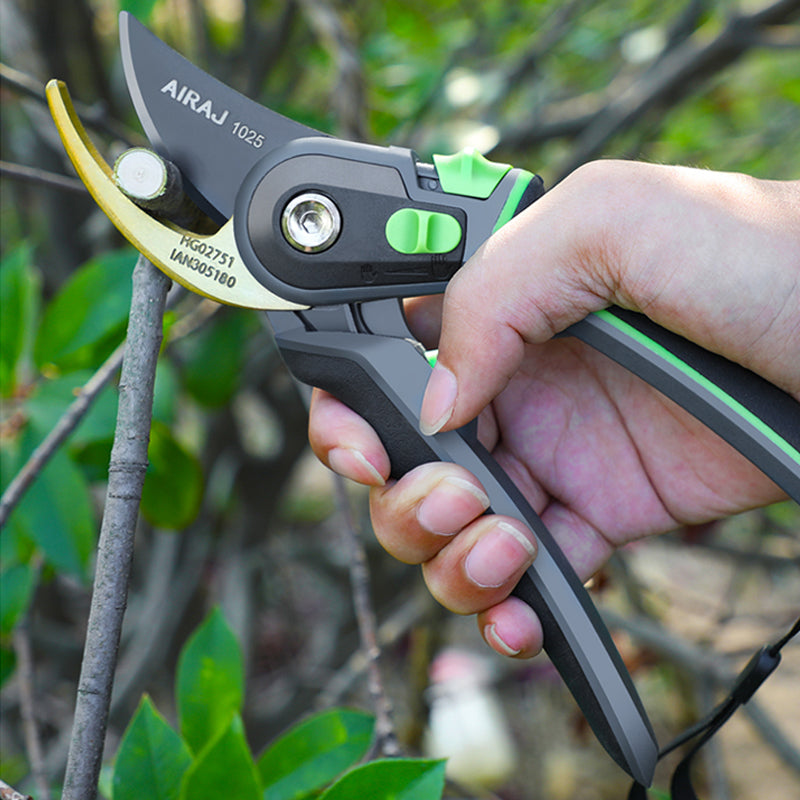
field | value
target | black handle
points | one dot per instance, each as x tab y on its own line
383	379
753	415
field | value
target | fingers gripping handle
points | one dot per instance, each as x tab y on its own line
383	379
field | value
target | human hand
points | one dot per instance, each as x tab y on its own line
600	456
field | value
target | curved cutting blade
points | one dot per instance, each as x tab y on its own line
211	132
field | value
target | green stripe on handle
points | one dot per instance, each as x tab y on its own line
751	414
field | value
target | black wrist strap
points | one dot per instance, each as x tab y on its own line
758	669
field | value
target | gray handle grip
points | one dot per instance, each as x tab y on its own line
751	414
383	379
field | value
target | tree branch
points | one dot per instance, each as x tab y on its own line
79	407
403	618
594	119
677	75
93	117
42	177
33	745
709	667
385	736
115	549
348	93
63	428
10	793
263	48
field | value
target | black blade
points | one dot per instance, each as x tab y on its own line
211	132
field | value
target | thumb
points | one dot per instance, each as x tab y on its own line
544	270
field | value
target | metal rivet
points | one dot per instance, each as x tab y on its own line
311	222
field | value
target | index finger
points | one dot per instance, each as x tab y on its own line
345	442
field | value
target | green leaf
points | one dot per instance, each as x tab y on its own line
87	318
786	513
224	769
94	459
55	513
152	758
166	392
19	289
213	358
51	399
105	782
210	681
391	779
658	794
8	663
314	753
173	485
141	9
17	583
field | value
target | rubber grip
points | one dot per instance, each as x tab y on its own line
383	379
533	191
754	416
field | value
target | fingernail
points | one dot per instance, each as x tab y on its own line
493	639
439	400
353	464
498	556
452	503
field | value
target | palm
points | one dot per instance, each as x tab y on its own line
606	459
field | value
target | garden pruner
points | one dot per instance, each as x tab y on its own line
327	236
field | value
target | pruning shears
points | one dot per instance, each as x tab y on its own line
327	236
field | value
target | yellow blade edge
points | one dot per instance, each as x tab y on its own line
209	265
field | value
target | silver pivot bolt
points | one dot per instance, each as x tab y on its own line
311	222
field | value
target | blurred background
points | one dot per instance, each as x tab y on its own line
236	512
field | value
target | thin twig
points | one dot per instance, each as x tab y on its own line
405	617
772	734
264	46
193	319
679	73
21	82
115	548
25	679
92	116
10	793
682	67
172	581
26	174
348	93
63	428
385	736
711	755
747	557
709	666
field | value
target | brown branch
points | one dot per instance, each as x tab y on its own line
115	548
385	736
10	793
684	65
263	48
81	406
42	177
776	37
556	27
172	580
63	428
92	117
678	74
348	93
708	666
403	619
25	678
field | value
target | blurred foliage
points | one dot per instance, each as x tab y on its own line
528	82
211	754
